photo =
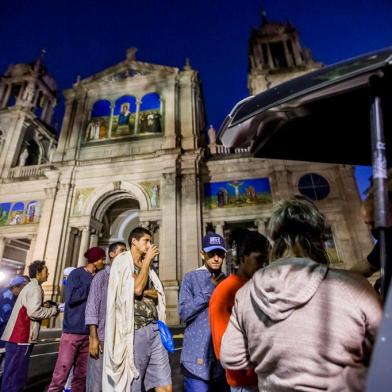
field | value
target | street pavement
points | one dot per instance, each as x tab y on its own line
44	357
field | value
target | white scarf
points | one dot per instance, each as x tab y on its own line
118	363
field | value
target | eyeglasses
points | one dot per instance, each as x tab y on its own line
219	252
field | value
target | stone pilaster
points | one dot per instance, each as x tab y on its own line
56	238
2	246
219	228
30	253
65	129
84	244
44	225
168	245
12	144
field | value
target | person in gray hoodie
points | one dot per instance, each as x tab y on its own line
300	324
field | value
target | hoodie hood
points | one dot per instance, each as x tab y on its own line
285	285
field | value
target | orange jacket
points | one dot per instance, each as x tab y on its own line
219	312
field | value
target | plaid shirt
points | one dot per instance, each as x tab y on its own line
96	302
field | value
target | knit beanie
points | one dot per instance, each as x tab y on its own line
94	254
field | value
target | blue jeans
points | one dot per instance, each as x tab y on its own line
197	385
16	366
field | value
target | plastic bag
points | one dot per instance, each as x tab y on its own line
166	336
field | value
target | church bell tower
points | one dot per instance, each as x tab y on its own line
276	55
28	96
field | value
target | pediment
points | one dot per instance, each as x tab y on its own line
129	70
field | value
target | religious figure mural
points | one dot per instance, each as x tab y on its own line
150	114
32	212
81	197
98	126
237	193
124	116
152	190
20	213
16	216
4	212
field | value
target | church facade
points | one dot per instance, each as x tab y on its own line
134	150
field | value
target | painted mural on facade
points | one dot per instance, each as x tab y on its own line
237	193
19	213
81	197
152	189
125	116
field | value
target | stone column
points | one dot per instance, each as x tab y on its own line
78	126
41	239
168	245
49	111
13	144
270	59
137	115
297	52
110	120
3	90
287	54
93	240
56	239
66	125
84	244
7	92
30	253
219	228
190	223
2	246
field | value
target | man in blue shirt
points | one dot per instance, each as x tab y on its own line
7	301
202	372
73	350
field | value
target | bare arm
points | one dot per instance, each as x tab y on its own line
142	278
94	345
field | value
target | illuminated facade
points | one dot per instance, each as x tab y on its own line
134	150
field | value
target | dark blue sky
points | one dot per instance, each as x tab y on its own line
84	37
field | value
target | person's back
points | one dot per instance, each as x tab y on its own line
304	324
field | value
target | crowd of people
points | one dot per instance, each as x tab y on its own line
283	321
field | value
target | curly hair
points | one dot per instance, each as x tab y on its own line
297	228
35	267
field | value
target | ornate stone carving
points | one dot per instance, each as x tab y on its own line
116	185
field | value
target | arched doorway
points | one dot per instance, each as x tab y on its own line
119	219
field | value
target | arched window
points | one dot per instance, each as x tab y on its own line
150	101
150	114
314	186
124	119
101	108
125	101
98	126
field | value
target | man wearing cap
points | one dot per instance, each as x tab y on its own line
7	301
202	372
22	329
73	350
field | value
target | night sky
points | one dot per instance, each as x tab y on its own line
84	37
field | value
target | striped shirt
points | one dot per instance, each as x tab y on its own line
96	302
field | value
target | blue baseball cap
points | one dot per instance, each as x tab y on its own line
212	241
18	280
